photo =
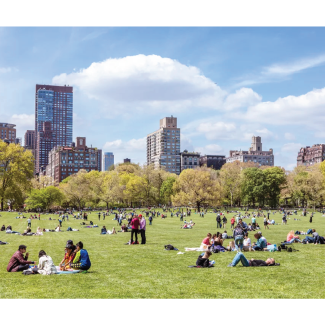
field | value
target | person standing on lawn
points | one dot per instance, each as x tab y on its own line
142	229
134	231
150	220
29	222
218	221
224	221
18	261
232	223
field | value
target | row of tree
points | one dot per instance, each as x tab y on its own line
235	184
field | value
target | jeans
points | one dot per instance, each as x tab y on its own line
240	257
257	248
29	224
239	240
143	236
293	240
309	239
150	222
134	231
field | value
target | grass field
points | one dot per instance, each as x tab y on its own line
148	271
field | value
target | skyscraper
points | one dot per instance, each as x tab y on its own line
53	120
108	160
163	146
30	139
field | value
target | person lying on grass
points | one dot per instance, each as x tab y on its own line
81	260
240	257
203	261
18	261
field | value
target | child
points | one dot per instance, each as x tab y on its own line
81	260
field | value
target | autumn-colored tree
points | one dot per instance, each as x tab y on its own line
196	187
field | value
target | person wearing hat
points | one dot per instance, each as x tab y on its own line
142	229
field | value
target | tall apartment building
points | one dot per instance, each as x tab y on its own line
53	107
189	160
108	160
30	139
8	131
213	161
254	154
65	161
163	146
308	156
99	159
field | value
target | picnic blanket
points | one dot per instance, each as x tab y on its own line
66	272
195	249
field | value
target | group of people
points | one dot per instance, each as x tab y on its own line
75	258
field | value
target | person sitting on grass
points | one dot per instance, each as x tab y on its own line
240	257
58	228
103	231
45	264
291	238
3	228
81	260
206	242
247	243
124	228
261	243
68	258
114	231
18	261
203	261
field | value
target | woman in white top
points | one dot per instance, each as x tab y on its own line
45	264
247	243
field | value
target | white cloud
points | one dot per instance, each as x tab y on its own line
210	149
139	82
24	121
295	110
242	98
8	69
216	130
291	147
289	136
134	149
279	71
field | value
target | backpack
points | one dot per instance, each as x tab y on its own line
238	232
169	247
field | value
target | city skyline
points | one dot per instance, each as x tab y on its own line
125	79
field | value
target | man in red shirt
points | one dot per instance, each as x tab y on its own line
18	262
135	226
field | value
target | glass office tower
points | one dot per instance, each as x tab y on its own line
54	105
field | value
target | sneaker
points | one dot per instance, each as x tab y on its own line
230	265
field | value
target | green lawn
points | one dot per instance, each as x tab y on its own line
148	271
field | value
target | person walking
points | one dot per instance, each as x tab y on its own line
134	231
311	217
142	229
29	222
218	221
224	221
98	216
266	223
150	220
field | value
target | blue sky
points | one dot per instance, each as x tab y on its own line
223	84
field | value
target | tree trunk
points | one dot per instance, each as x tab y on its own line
2	204
198	206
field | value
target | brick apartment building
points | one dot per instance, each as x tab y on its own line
8	131
254	154
68	160
213	161
308	156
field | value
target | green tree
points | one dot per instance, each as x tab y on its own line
274	180
16	171
166	190
44	198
